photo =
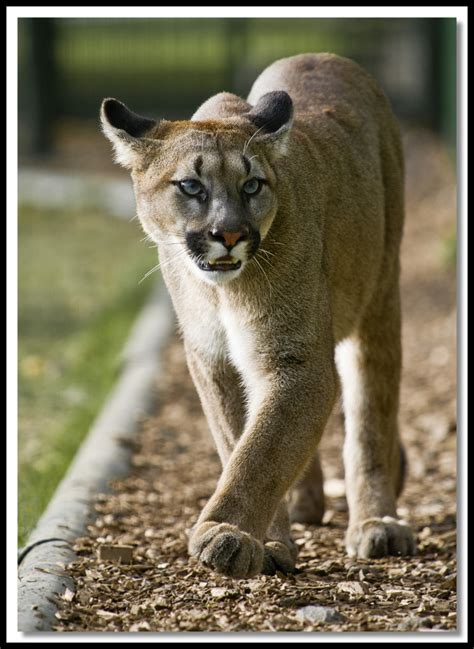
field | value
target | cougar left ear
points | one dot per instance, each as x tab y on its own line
125	129
273	115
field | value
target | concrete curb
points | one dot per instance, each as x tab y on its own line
55	189
104	454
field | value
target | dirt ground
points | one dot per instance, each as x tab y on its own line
175	469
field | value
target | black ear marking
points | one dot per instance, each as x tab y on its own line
272	111
119	116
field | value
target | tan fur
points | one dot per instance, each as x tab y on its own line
262	342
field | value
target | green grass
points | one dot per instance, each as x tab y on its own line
449	251
78	297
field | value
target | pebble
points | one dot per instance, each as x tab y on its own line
315	614
410	623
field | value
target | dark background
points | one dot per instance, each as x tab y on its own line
165	67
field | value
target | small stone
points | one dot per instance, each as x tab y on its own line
315	614
410	623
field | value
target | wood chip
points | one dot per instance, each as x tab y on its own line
116	553
68	595
221	593
353	587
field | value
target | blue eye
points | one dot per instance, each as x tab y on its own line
191	187
252	186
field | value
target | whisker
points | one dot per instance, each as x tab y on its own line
155	268
148	237
163	264
277	243
267	261
274	289
251	138
264	274
170	243
267	252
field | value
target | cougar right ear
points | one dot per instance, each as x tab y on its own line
273	115
125	129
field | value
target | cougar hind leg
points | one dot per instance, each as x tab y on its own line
370	364
306	501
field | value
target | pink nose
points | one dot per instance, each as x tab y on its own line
231	238
228	239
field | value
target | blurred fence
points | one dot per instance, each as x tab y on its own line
167	67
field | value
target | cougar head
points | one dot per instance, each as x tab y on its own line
207	188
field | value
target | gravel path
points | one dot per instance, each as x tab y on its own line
152	585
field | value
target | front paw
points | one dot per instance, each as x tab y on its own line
226	549
379	537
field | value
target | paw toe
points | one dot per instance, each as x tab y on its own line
220	551
278	556
379	537
373	543
226	549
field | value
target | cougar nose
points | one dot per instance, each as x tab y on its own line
228	239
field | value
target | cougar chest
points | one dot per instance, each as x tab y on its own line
240	343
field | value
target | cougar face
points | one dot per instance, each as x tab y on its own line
205	188
216	204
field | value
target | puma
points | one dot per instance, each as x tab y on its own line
278	221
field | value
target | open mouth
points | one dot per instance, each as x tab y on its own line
221	264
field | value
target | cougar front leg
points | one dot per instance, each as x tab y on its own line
222	399
369	365
278	438
219	387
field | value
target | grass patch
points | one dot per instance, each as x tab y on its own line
449	251
78	297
